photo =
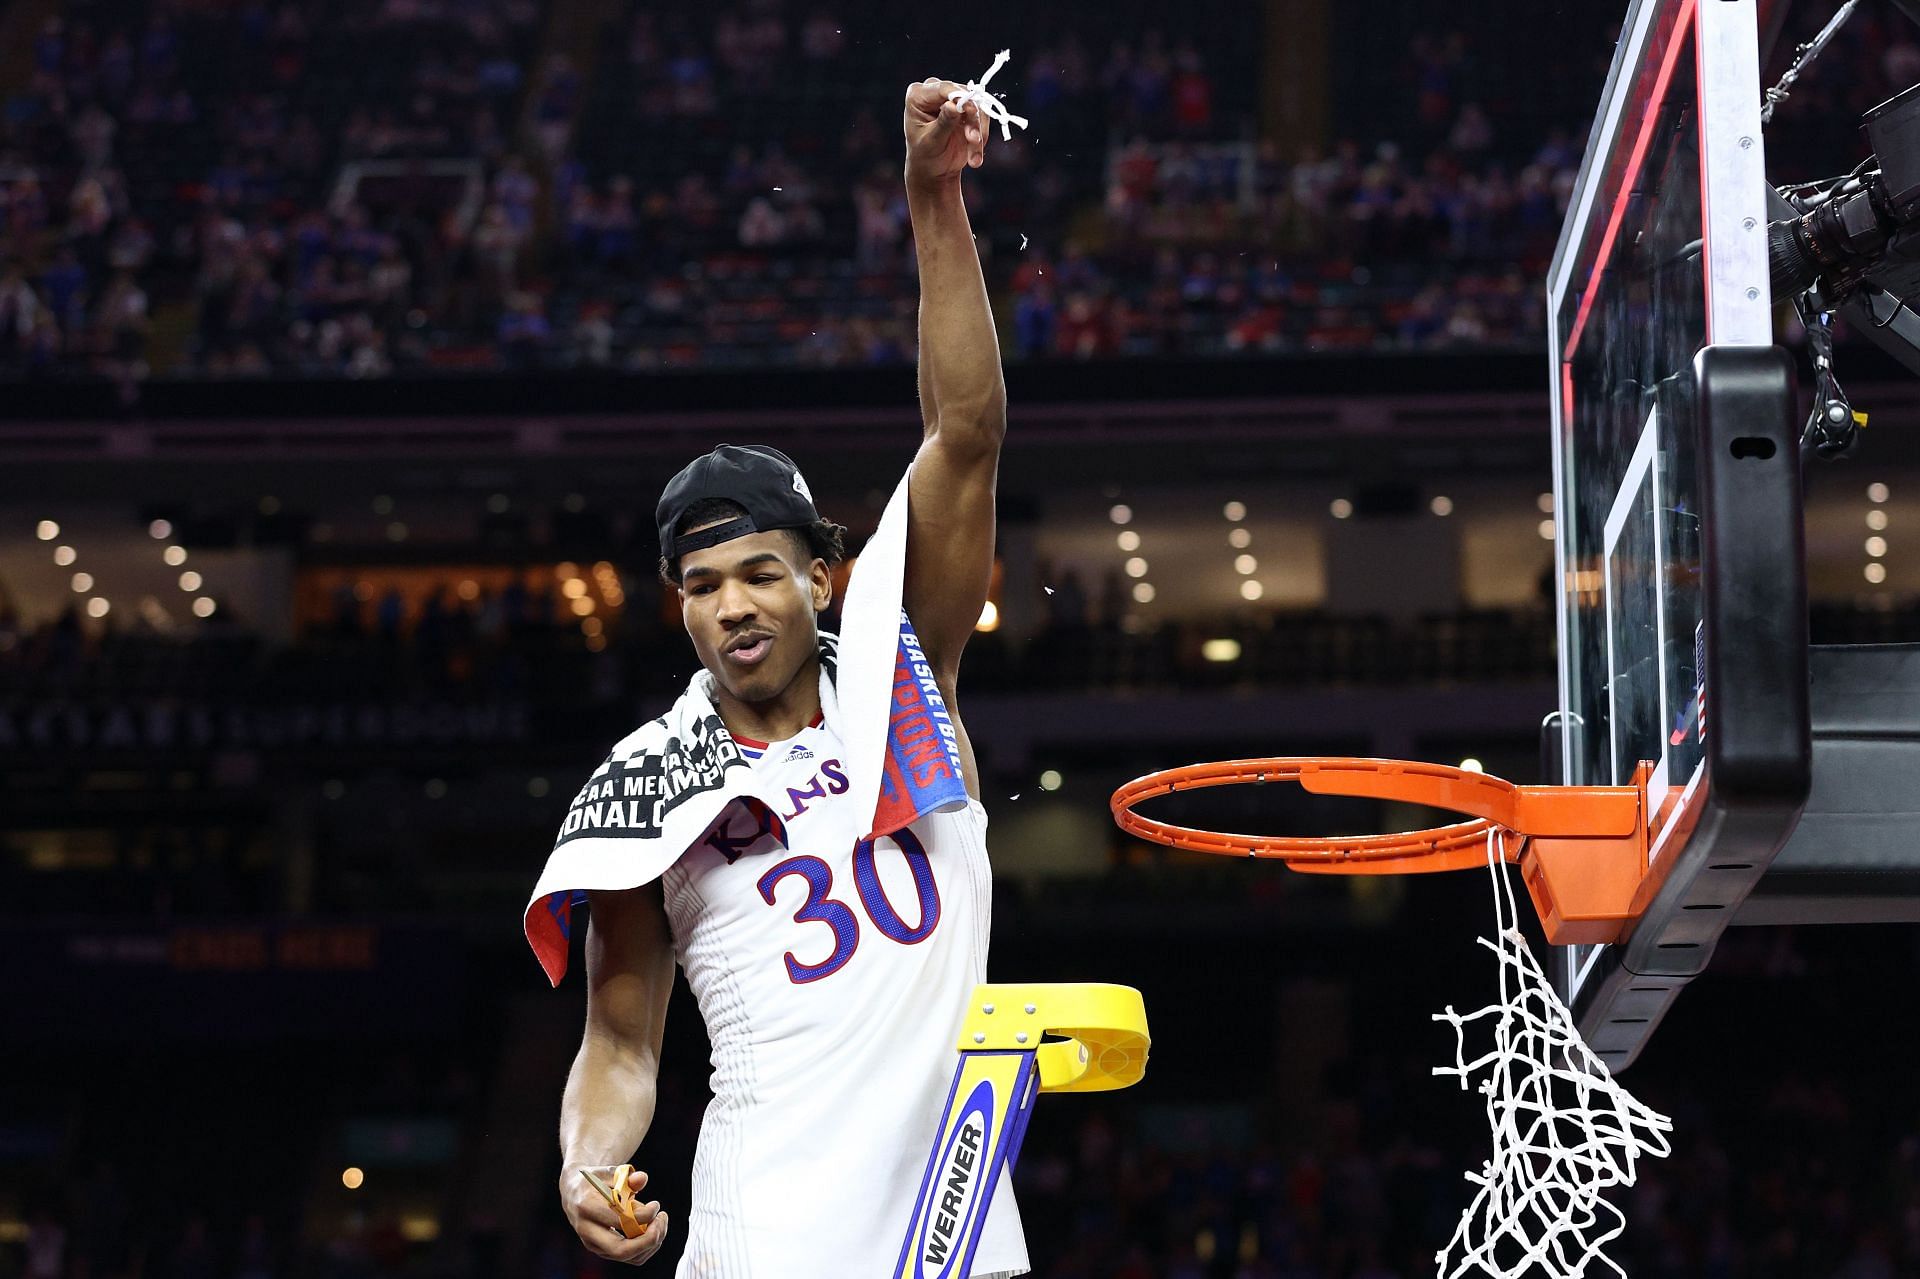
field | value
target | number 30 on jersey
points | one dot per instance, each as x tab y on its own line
821	908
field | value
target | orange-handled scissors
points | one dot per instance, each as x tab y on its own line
619	1197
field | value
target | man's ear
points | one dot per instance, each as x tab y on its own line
820	578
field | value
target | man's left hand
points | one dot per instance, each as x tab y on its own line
944	137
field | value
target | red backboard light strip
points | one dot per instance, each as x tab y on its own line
1682	28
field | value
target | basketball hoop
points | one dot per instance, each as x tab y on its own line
1564	1131
1582	850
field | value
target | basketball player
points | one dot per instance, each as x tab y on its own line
831	973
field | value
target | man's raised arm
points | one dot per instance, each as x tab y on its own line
963	398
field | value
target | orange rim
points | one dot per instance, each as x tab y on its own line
1493	804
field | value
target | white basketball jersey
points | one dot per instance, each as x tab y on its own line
833	977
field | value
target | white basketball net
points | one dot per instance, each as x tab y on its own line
1564	1133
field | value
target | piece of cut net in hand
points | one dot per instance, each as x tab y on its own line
989	103
1564	1132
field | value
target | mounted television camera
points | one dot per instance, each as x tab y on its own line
1869	218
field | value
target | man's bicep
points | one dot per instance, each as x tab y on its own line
629	967
949	543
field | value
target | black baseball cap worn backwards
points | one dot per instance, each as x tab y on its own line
762	480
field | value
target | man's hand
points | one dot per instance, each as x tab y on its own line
598	1225
943	137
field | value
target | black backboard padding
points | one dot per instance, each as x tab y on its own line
1758	766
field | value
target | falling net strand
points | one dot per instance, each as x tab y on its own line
989	103
1564	1132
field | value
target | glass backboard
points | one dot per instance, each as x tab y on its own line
1659	278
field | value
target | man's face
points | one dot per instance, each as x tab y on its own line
750	607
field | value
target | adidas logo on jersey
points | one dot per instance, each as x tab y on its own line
799	752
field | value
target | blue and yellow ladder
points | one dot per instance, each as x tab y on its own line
1006	1061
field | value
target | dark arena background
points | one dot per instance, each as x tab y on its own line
345	347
